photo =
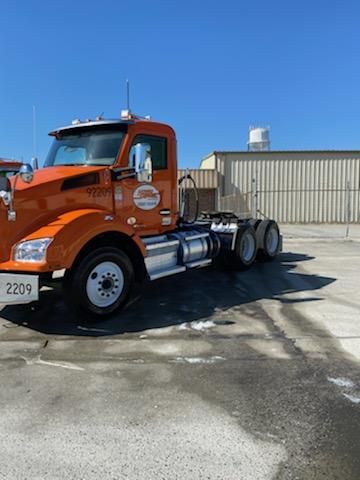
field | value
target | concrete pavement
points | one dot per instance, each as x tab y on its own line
209	375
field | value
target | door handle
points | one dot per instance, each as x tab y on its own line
165	211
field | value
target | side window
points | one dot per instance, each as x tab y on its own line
158	150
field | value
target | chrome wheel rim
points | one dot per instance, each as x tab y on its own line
105	284
248	247
272	240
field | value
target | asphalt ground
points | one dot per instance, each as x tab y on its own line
208	375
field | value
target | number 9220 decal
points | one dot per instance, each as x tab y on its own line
98	192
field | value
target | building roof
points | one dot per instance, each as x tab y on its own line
266	152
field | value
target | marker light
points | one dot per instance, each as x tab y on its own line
125	114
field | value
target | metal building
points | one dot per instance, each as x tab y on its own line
289	186
207	185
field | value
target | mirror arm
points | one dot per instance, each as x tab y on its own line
123	169
11	211
127	175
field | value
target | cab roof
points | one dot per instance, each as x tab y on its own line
126	119
77	124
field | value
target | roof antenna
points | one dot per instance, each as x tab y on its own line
34	129
126	114
128	94
34	159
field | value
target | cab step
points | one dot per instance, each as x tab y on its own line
199	263
166	273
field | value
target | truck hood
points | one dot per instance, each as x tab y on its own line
53	191
54	174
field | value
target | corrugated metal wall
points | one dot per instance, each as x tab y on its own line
204	178
302	189
239	204
207	184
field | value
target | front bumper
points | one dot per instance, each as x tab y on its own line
17	288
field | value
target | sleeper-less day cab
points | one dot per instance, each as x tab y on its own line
104	212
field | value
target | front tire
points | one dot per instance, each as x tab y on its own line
100	283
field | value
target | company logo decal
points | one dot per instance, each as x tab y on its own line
146	197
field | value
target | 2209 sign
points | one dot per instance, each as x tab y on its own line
18	288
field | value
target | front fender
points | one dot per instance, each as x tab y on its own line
71	231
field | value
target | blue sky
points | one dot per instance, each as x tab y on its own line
209	68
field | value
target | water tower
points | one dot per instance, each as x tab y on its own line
259	139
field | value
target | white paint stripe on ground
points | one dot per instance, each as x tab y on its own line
183	326
352	398
199	326
88	329
39	361
197	360
342	382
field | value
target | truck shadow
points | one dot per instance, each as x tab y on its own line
172	301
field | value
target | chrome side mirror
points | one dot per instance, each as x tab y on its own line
143	162
26	173
5	190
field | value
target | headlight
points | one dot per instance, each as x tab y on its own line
32	250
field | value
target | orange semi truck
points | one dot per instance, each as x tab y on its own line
107	210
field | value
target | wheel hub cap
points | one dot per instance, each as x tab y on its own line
105	284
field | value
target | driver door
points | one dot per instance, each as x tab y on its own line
147	205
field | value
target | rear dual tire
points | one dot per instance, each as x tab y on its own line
268	240
256	240
244	253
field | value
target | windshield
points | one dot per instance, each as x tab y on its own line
85	148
